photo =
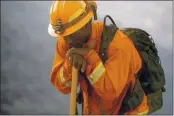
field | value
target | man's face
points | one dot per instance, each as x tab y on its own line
80	37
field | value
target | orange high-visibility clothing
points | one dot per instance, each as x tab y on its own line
109	81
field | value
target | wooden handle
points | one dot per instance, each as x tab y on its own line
73	91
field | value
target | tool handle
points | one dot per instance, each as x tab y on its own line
73	91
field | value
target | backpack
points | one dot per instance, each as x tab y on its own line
150	78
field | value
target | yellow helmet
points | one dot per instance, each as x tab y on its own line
66	17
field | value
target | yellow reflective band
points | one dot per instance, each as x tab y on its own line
61	75
97	73
76	14
62	79
143	113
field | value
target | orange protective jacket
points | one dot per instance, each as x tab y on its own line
108	80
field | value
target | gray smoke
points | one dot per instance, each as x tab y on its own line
27	52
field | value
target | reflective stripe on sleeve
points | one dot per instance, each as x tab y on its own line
62	79
97	73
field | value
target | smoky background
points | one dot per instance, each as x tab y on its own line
27	51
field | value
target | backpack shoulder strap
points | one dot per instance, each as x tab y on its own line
107	36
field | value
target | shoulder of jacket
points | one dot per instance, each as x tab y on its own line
121	41
97	27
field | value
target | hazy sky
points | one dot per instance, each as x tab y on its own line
27	51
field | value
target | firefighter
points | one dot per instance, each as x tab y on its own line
78	45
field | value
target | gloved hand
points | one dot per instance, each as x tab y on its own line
76	55
77	61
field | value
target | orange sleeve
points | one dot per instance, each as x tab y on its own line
61	73
110	78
